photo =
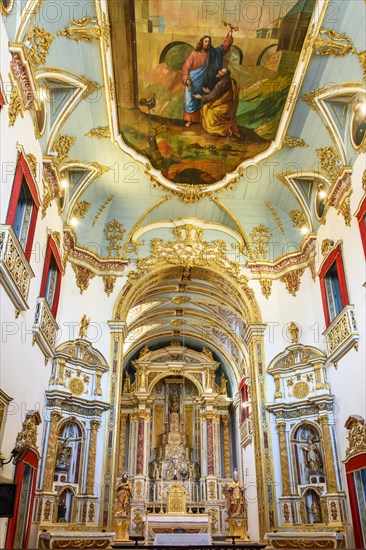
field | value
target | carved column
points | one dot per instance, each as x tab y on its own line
122	444
140	446
227	472
133	441
329	456
266	496
216	444
94	425
210	450
285	471
51	451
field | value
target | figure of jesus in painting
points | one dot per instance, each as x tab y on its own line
199	74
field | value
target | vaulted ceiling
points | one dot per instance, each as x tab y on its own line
116	204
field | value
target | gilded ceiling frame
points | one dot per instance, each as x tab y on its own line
83	88
316	100
191	193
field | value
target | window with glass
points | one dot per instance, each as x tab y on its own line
23	206
51	279
333	285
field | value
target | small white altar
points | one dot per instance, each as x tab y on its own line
182	539
177	524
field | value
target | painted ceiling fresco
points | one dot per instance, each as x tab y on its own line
191	120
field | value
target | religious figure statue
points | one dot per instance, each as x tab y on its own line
141	377
235	497
83	328
209	378
127	384
315	510
223	384
123	494
174	403
294	330
144	351
313	458
63	457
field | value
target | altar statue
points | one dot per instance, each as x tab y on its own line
83	328
123	494
174	403
313	459
235	497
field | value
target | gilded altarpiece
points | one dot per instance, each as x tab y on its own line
174	432
76	406
312	496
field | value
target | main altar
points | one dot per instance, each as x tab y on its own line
175	443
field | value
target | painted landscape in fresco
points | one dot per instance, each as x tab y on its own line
157	74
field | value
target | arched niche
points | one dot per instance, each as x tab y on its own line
308	454
70	442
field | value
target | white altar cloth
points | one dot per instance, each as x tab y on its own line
182	539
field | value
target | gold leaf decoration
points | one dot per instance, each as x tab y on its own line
80	209
114	232
294	142
15	105
62	146
100	132
40	41
86	29
260	238
298	218
109	282
266	286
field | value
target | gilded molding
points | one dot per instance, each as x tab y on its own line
279	267
292	280
28	436
80	256
80	209
83	276
326	246
91	87
236	222
294	142
355	425
364	180
106	31
189	250
86	29
330	162
330	42
15	105
25	78
260	237
62	146
99	132
100	210
131	240
114	232
109	282
298	218
266	286
275	215
41	41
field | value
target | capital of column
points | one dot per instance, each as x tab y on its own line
118	328
281	427
55	416
254	330
94	424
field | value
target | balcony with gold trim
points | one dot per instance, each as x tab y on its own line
44	328
341	335
15	271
